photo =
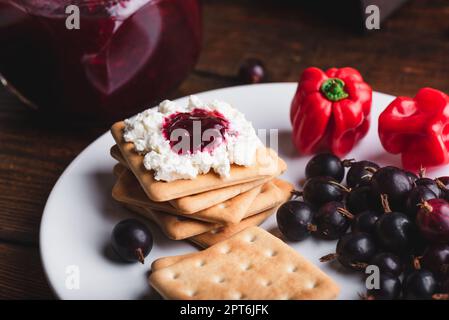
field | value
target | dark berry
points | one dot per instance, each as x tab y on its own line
430	184
294	219
419	285
325	165
417	196
252	71
387	263
332	220
365	221
131	240
360	173
389	288
353	250
320	190
394	183
395	231
360	199
433	220
436	259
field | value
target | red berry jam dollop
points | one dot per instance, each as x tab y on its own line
198	130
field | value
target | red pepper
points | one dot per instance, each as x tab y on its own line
330	110
418	129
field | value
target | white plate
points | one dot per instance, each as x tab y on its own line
80	212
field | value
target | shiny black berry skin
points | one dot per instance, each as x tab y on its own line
436	259
294	219
331	222
252	71
360	199
325	165
387	263
412	176
395	232
131	240
394	183
355	248
430	184
419	285
359	174
365	221
417	196
389	288
321	190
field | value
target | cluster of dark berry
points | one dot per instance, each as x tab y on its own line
383	216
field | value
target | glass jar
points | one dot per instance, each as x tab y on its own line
125	56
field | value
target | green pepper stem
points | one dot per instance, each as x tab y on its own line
334	89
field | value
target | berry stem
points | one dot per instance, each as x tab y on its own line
417	263
329	257
359	265
371	169
345	189
385	203
441	185
422	172
345	213
347	163
312	227
426	207
140	255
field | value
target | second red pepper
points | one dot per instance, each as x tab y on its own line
330	110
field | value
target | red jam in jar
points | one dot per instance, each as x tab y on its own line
198	130
126	56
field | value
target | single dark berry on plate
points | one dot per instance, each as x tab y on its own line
417	196
430	184
332	220
320	190
412	176
251	71
387	263
395	231
365	221
443	184
325	165
294	219
353	250
436	259
394	183
419	285
389	288
360	199
360	173
433	220
131	240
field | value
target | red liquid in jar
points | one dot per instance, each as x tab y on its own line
193	125
126	56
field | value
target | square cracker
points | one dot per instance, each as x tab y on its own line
177	228
204	200
252	264
214	236
232	211
266	165
128	190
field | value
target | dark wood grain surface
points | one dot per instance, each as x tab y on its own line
411	50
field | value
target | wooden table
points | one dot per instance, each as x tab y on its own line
411	50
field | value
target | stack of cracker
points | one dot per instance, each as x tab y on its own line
207	209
